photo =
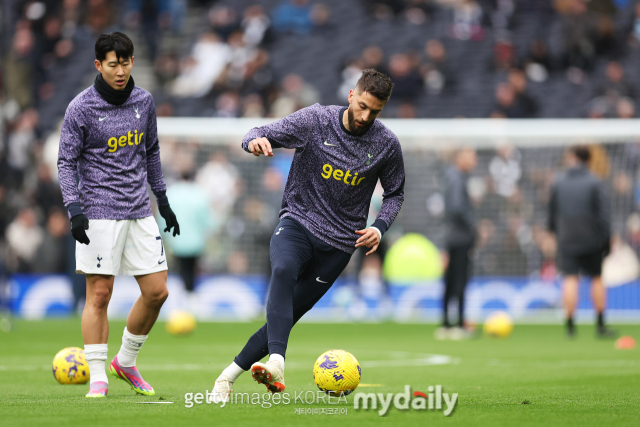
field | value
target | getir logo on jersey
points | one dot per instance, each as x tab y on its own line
124	140
339	175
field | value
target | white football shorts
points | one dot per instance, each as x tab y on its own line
128	246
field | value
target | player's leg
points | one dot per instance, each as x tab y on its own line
462	280
144	258
95	331
100	262
290	253
592	266
570	288
570	267
325	268
443	332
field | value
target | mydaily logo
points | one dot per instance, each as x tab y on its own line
419	401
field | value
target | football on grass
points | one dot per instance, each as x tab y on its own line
337	372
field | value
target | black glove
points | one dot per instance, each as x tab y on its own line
170	219
79	223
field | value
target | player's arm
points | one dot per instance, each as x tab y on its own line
603	215
553	204
72	139
392	179
154	171
289	132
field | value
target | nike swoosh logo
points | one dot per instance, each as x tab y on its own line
330	145
318	280
103	118
160	262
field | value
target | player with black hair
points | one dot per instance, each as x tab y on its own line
109	137
579	215
340	153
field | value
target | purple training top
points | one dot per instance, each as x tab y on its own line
334	173
116	152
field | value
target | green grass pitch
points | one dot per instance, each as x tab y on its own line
535	377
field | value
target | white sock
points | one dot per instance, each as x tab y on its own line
131	345
278	358
96	355
232	372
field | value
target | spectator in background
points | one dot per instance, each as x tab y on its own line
506	170
460	237
192	204
579	32
293	16
219	180
436	72
24	236
538	62
506	105
407	82
20	143
255	25
518	81
18	67
223	20
199	72
373	57
295	94
467	19
616	85
51	255
151	16
47	194
579	215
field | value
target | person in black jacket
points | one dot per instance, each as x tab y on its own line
579	215
460	237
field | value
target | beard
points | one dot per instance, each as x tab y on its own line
353	128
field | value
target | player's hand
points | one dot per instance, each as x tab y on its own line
170	219
79	224
261	146
369	238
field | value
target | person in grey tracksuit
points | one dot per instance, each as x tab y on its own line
579	215
460	237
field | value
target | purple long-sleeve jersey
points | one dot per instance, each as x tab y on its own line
334	173
115	150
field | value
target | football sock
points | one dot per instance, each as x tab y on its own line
96	355
131	345
232	372
278	358
601	320
570	326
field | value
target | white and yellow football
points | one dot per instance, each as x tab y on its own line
70	366
337	372
498	324
180	323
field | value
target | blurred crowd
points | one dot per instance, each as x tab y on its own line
447	58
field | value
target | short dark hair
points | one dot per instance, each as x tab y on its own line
116	41
581	152
375	83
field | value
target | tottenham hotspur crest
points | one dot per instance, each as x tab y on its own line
137	114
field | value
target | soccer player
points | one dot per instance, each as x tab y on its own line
340	153
579	216
109	137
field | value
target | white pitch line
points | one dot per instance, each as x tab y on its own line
432	359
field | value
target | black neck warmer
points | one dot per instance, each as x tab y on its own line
109	94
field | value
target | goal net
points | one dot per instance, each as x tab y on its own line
514	266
